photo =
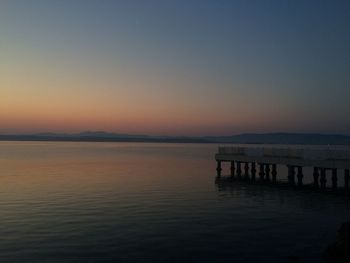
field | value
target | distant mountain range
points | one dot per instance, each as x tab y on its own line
247	138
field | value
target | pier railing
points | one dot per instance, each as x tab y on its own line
304	154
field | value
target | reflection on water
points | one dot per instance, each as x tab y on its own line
103	202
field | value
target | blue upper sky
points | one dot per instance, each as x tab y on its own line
175	67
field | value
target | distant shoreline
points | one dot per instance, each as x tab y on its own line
265	138
104	140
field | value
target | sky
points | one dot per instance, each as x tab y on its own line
161	67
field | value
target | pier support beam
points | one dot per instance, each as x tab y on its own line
274	173
323	179
246	171
346	179
261	171
232	168
334	179
300	176
267	172
316	175
218	168
253	172
239	170
291	175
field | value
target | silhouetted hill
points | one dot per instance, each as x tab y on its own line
283	138
248	138
99	136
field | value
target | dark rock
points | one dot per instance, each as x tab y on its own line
293	258
339	251
344	231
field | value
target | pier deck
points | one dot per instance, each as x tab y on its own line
266	159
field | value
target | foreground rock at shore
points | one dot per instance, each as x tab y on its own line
339	251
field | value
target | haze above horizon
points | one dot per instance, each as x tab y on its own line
175	67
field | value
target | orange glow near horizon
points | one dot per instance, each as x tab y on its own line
116	102
154	105
158	106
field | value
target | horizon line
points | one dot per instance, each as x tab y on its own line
51	133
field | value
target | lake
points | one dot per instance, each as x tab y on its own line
151	202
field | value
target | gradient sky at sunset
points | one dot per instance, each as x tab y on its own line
174	67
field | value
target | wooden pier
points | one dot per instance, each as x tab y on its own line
260	164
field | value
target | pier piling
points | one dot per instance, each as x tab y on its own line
232	168
239	170
346	179
261	172
316	175
246	171
267	172
253	172
291	175
274	173
218	168
300	176
334	179
323	179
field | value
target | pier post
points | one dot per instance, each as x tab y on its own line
267	172
261	171
323	179
300	176
232	168
274	173
253	172
346	179
218	168
334	179
239	170
291	175
316	175
246	171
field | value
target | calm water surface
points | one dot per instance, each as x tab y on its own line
142	202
